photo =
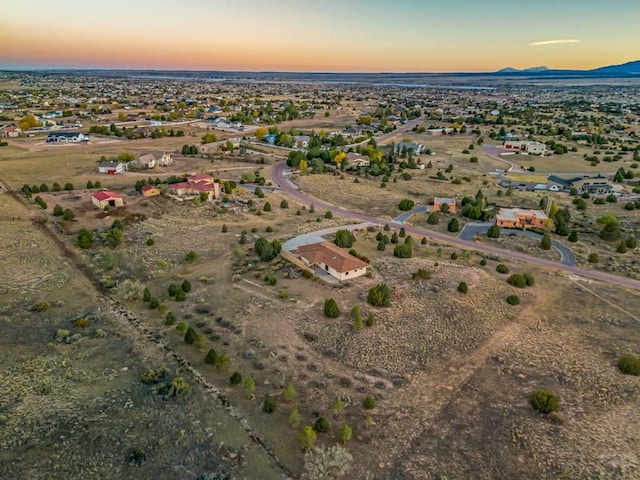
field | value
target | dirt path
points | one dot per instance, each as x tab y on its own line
608	302
430	392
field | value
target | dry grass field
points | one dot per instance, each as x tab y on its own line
451	373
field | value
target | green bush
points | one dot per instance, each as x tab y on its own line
421	274
186	286
235	379
545	242
191	257
463	288
517	280
369	403
403	251
150	242
269	405
371	319
170	319
494	231
544	401
629	364
513	300
502	268
433	218
379	295
593	258
406	204
331	308
321	425
190	336
344	238
531	281
267	207
483	262
211	357
453	226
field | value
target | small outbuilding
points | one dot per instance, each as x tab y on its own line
106	199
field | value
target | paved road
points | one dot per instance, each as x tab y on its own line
306	199
380	140
470	230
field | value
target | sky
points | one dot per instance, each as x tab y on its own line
319	35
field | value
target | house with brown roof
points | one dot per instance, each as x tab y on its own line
195	185
151	159
521	218
106	199
355	160
9	131
331	259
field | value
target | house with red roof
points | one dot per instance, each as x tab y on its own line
106	199
195	185
332	259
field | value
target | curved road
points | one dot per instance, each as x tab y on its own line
470	230
287	186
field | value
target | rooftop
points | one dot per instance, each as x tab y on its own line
331	255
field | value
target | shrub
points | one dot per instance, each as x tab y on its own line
371	319
181	328
423	241
56	187
433	218
629	364
631	242
518	280
222	362
593	258
454	256
85	239
191	257
403	251
544	401
186	286
249	386
211	357
502	268
453	226
307	438
531	281
381	246
406	204
68	186
180	296
68	215
269	404
483	262
235	378
154	303
328	215
146	295
267	207
513	300
463	288
421	274
369	403
321	425
190	336
290	394
170	319
224	228
331	308
295	418
150	242
379	295
58	211
573	236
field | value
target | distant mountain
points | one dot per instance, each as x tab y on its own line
629	68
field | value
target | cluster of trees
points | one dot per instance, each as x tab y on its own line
29	190
189	150
266	250
473	208
344	238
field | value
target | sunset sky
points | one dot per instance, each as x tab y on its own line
319	35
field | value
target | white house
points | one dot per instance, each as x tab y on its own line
67	137
112	168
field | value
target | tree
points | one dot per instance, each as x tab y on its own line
379	295
191	257
356	317
344	238
224	228
209	138
259	193
513	300
211	357
453	226
433	218
394	238
186	286
267	207
68	186
58	211
611	227
235	378
463	288
68	215
573	236
190	336
518	280
85	239
331	308
593	258
89	184
290	394
181	296
284	204
544	401
328	215
631	242
269	404
307	438
381	246
545	242
403	233
406	204
494	231
146	295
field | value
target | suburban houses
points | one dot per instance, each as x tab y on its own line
449	204
530	148
331	259
67	137
107	199
150	191
195	185
521	218
150	160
